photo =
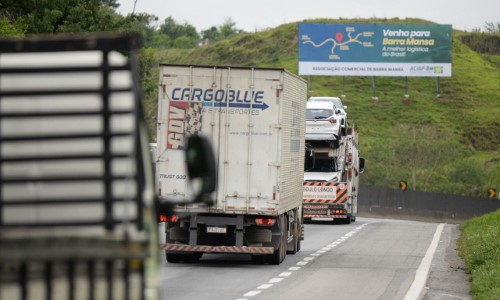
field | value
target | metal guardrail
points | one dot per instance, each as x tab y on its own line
425	206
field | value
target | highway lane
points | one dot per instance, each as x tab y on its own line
368	259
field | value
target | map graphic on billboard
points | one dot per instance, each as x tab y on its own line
375	50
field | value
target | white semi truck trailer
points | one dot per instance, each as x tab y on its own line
255	119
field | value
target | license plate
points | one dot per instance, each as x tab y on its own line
316	206
216	229
316	212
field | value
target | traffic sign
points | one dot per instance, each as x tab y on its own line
492	193
403	185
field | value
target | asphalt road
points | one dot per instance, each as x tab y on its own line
368	259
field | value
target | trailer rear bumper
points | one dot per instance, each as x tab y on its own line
175	248
326	216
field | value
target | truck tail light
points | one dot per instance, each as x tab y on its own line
165	218
332	120
265	222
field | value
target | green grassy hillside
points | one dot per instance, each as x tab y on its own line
479	247
446	144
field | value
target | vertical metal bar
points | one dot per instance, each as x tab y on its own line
143	280
343	86
239	231
48	280
91	278
310	82
1	177
138	115
438	87
109	278
126	279
193	230
71	279
406	88
374	83
23	280
108	193
249	146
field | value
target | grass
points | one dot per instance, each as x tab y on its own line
479	246
466	113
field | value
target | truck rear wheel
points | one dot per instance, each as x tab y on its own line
279	254
296	238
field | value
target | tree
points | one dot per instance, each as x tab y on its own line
228	28
211	34
110	3
174	30
492	27
8	29
61	15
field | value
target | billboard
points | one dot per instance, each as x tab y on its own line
375	50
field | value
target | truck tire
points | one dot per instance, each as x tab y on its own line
188	258
299	237
279	254
296	238
172	257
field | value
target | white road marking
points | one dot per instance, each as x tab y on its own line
252	293
264	286
304	262
423	270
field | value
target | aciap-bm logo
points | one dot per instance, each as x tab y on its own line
438	70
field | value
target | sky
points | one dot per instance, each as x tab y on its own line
256	15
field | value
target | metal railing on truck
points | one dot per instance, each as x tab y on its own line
73	187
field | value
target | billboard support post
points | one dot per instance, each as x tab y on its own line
374	97
406	88
343	87
438	88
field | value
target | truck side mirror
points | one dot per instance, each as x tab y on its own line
200	163
309	159
361	165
